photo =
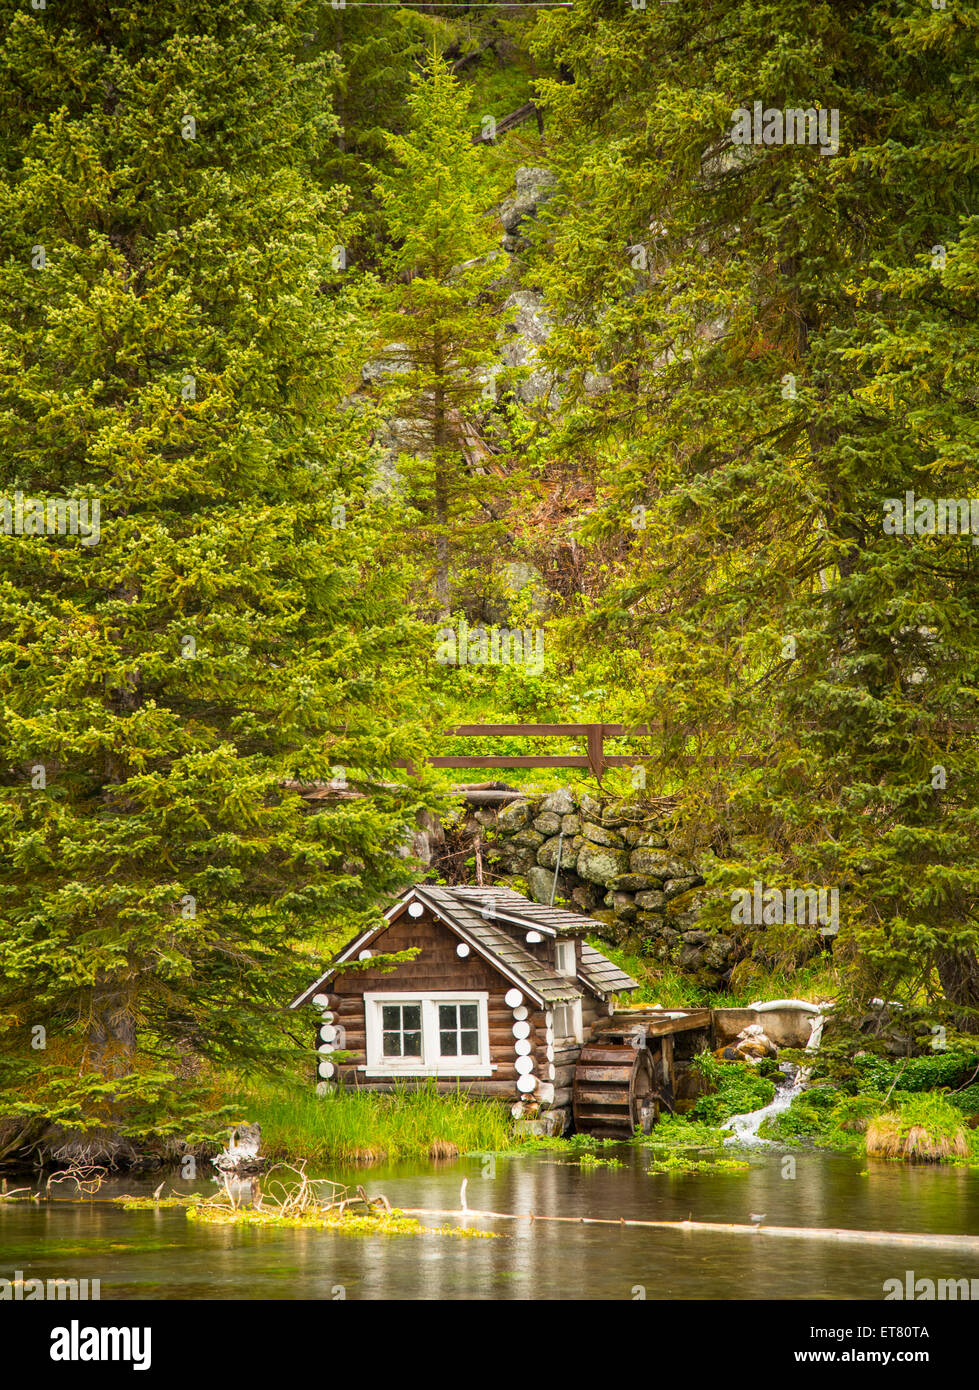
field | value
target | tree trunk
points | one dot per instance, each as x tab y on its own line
959	975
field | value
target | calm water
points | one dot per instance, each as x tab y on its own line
161	1255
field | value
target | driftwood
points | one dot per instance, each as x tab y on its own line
965	1244
523	113
242	1155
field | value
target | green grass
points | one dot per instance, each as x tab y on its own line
363	1126
664	984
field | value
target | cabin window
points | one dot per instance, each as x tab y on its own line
564	958
458	1030
428	1035
567	1020
401	1026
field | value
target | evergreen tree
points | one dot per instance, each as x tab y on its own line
440	325
176	344
789	336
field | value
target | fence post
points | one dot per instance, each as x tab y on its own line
596	749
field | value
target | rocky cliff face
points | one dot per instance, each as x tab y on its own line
617	862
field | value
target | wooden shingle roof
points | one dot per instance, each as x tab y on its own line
511	903
486	917
601	974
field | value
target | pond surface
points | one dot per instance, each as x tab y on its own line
161	1255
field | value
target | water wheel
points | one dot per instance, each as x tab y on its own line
614	1090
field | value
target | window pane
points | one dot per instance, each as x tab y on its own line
411	1015
412	1045
447	1015
392	1044
468	1015
391	1016
470	1044
449	1044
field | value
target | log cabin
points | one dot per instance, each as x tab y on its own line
502	999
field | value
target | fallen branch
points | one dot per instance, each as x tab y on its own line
933	1242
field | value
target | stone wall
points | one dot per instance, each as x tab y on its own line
620	864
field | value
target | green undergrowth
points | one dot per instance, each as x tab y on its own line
683	1132
665	984
902	1125
736	1089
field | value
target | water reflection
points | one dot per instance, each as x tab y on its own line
159	1254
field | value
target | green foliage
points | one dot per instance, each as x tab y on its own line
823	1116
737	1089
927	1073
795	344
181	356
684	1131
435	330
678	1163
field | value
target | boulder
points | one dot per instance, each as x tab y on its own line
622	904
718	951
650	839
652	900
634	883
514	816
517	861
652	862
673	887
691	957
586	896
547	854
571	825
560	803
600	863
529	838
613	928
548	823
396	359
599	835
534	187
540	881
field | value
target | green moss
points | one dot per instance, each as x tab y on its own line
393	1223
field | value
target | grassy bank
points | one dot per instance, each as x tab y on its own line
362	1126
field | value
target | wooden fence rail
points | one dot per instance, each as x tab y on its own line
596	759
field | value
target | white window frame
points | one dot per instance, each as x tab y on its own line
563	966
430	1063
574	1005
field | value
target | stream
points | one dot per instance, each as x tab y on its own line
161	1255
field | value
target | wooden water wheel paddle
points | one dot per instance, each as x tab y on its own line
614	1090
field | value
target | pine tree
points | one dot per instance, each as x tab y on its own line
789	337
176	344
440	328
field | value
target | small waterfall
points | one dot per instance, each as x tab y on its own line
746	1126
